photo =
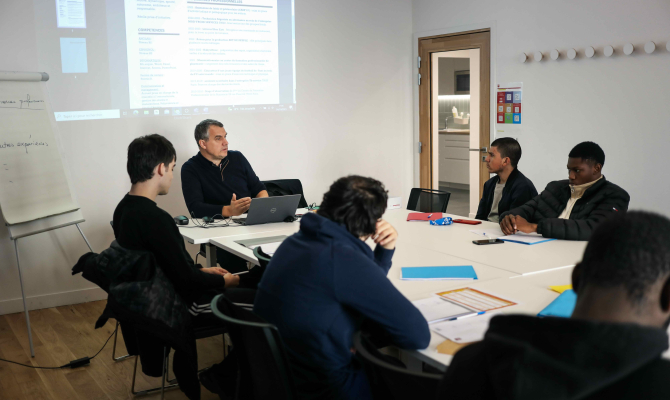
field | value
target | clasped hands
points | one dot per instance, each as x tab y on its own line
512	224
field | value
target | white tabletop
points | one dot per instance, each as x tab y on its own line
456	240
195	234
530	292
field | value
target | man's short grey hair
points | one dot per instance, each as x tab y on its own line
202	129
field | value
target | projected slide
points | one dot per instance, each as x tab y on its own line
176	58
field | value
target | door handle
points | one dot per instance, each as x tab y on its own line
483	149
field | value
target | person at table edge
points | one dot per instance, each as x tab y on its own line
217	181
570	209
509	188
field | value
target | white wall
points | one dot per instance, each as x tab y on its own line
620	102
354	115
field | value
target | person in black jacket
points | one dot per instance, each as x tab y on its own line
219	183
509	188
570	209
610	348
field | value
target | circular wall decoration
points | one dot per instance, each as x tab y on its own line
555	54
538	56
572	53
590	52
649	47
628	49
608	51
523	58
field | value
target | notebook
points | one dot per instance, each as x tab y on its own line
437	273
424	216
525	238
563	306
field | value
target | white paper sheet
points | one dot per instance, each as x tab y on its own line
435	309
464	330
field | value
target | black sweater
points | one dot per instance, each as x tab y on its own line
140	225
600	201
208	187
528	358
517	191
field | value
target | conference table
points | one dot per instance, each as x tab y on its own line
517	272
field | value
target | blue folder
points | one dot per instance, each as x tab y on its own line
563	306
437	273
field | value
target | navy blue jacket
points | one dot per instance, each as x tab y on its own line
319	287
517	191
208	187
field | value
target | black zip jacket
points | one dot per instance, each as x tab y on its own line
598	202
517	191
530	358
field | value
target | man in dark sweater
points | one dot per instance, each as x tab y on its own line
218	182
611	347
139	224
509	188
570	209
325	281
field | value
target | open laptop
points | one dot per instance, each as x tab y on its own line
265	210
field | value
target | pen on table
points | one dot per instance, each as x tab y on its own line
240	273
467	316
430	215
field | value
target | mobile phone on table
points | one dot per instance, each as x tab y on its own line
486	241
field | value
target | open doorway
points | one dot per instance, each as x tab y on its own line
454	116
455	103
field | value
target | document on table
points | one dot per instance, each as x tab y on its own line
436	309
493	232
525	238
464	330
475	300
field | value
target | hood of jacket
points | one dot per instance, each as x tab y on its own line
316	226
557	358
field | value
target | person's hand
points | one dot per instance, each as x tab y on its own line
231	280
508	225
238	207
386	235
524	226
215	271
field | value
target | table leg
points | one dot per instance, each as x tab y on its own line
23	295
210	253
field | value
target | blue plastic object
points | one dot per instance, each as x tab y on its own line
442	221
562	306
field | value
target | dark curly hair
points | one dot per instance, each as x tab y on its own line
356	202
629	250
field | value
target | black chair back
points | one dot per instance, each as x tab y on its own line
389	381
264	367
263	259
285	187
428	200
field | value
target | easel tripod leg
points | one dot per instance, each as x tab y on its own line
86	240
23	295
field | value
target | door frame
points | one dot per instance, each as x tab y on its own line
451	31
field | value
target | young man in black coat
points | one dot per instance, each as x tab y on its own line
610	348
509	188
570	209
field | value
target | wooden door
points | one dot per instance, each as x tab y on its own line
480	39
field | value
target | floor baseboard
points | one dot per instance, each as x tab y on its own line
52	300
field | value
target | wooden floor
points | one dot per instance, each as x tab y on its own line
63	334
